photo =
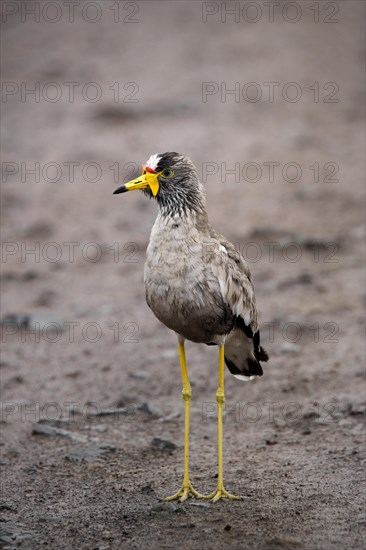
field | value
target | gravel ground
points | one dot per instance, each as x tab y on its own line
92	419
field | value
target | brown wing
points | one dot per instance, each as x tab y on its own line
234	278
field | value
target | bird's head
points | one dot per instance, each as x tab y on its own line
172	180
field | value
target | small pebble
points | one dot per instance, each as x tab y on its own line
164	507
162	445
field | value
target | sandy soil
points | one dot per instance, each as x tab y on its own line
77	477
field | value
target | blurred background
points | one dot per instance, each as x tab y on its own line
267	98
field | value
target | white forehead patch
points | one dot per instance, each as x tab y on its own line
153	161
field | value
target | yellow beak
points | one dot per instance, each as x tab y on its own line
147	179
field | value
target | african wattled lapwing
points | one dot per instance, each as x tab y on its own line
199	285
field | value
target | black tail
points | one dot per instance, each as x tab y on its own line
252	365
252	368
243	354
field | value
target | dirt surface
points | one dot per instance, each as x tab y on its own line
92	416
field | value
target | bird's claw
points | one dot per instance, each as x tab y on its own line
183	493
221	492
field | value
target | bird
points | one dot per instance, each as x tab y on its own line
198	285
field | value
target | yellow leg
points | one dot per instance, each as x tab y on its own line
186	488
220	491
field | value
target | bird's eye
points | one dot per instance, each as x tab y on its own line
167	173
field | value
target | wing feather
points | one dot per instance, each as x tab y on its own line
234	278
242	348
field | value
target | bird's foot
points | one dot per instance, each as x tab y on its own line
184	492
221	492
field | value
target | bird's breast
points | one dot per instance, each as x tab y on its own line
181	288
